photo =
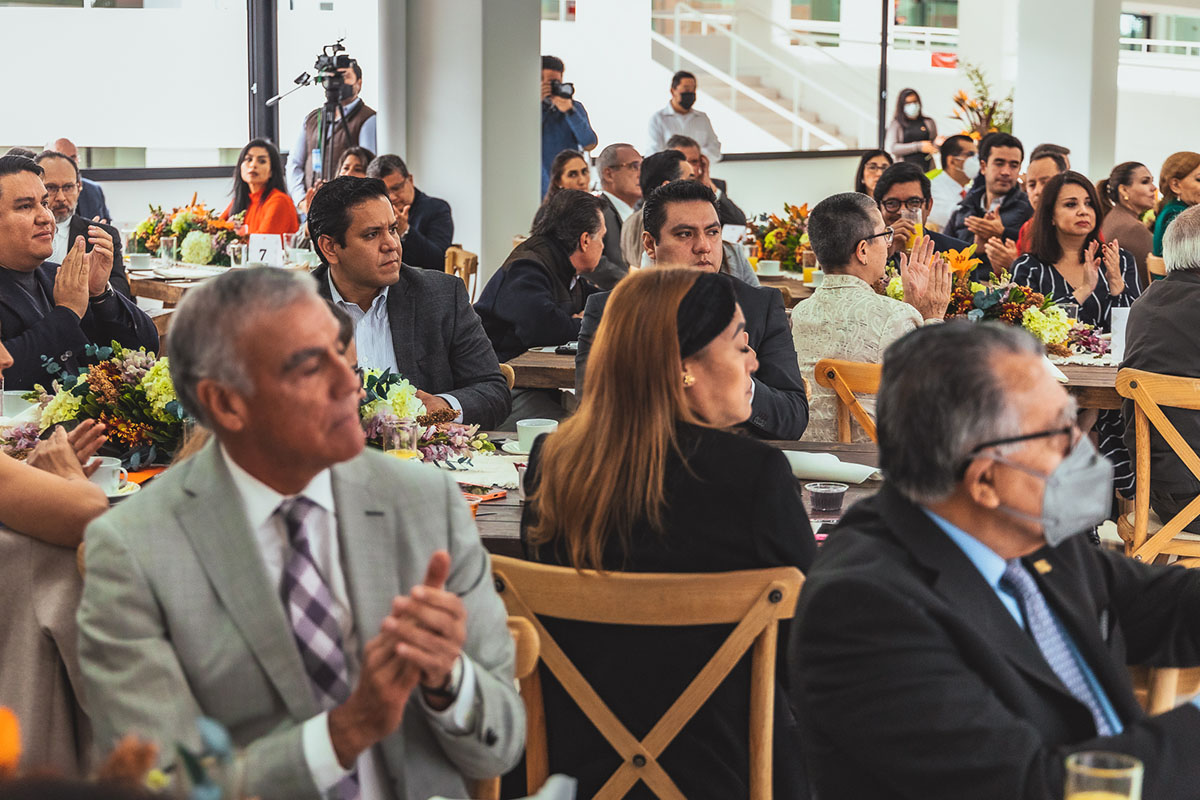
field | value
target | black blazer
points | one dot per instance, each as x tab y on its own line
612	266
911	679
91	201
430	231
79	226
439	344
727	210
30	333
780	407
735	505
1014	211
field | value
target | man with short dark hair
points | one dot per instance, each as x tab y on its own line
903	187
620	167
679	117
998	207
956	637
62	181
565	123
657	169
701	167
959	167
92	205
51	311
355	126
418	323
425	224
683	231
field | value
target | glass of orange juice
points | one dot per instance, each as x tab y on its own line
402	441
1098	775
914	216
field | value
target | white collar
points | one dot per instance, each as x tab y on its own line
64	226
623	208
379	301
261	501
670	109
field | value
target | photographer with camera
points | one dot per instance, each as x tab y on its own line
354	123
565	124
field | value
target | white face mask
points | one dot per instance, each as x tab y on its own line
912	110
647	261
970	167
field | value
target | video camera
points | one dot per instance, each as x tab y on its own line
329	66
560	89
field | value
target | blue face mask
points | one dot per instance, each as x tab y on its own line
912	110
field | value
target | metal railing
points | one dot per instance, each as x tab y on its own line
900	37
1161	46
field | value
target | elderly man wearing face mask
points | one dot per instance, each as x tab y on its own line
956	637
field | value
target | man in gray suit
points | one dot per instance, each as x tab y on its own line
332	608
417	322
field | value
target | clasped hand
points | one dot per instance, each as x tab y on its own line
925	276
1109	260
84	275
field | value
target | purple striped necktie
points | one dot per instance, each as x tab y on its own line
308	602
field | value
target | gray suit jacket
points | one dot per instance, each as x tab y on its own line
612	266
440	343
179	619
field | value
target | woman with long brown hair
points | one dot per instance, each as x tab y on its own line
645	478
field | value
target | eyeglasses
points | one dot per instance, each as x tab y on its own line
67	188
636	166
1072	432
893	204
875	167
887	233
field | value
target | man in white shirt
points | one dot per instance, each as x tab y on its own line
620	167
332	608
959	168
680	118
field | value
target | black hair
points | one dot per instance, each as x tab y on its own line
356	68
1109	188
364	156
1060	161
660	168
11	165
681	75
1044	244
241	189
1042	150
837	224
953	146
329	211
679	140
383	165
21	151
654	211
568	215
553	63
558	165
45	154
859	186
903	172
997	139
900	103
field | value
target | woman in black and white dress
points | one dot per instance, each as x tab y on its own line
1068	263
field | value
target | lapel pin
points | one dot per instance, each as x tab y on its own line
1042	566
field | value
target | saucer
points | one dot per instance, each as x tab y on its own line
513	447
125	491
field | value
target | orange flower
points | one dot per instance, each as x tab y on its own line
10	743
962	261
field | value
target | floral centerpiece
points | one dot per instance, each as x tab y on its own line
783	239
982	114
204	237
998	299
130	391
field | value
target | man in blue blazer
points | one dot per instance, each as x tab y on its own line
91	197
425	223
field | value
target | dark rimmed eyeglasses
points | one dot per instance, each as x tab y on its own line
893	204
1070	431
888	233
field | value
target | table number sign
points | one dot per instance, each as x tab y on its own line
266	248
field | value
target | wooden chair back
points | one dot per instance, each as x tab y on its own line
846	378
754	601
464	264
1146	537
510	375
525	638
1156	267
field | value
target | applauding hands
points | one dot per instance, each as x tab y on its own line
1098	257
926	279
84	275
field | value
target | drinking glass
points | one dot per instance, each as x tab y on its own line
913	215
166	249
401	441
1097	775
237	255
1071	308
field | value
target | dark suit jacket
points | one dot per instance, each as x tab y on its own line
91	201
439	344
1014	211
430	231
1163	335
727	210
79	226
29	333
735	505
612	265
911	679
780	408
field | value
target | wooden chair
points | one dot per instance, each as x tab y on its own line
464	264
510	375
752	600
846	378
1156	267
525	637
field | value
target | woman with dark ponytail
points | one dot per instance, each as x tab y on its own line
1125	195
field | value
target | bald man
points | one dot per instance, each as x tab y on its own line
91	196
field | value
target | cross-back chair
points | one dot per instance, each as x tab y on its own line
846	378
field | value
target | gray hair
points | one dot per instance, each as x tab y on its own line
207	326
609	156
837	224
1181	242
940	398
386	164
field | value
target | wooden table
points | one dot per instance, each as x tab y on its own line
499	521
154	288
797	289
537	370
1092	387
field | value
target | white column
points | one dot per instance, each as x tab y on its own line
1066	89
754	19
393	77
987	38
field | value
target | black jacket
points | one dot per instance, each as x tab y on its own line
612	265
32	327
79	226
910	678
530	301
727	210
780	407
1014	211
430	231
735	505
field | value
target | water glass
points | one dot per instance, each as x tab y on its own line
1071	308
237	255
1097	775
166	249
403	440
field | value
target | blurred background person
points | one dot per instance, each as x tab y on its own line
679	117
568	170
995	206
355	127
619	167
354	162
960	165
1179	185
259	189
728	210
425	223
565	123
1045	162
1125	196
870	167
92	205
911	136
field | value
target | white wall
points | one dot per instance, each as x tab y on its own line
129	201
764	186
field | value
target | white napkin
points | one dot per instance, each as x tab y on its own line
489	470
1120	318
827	467
1058	374
18	410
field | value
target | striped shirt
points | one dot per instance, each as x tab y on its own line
1097	308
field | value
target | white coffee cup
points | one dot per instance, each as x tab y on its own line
110	476
817	278
768	267
530	429
139	261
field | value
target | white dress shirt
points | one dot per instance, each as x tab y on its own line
270	533
623	208
947	194
667	122
61	245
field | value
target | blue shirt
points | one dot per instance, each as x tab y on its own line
991	567
569	131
